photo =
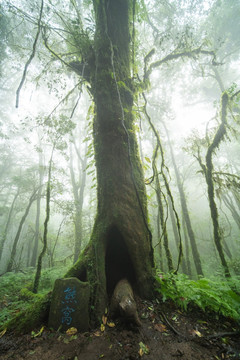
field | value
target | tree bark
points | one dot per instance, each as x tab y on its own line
186	238
163	222
37	222
210	184
176	235
120	244
42	253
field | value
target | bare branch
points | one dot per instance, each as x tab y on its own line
31	56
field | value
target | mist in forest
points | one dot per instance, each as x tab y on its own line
188	53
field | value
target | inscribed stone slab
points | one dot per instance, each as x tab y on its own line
69	305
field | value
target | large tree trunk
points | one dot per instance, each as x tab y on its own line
120	245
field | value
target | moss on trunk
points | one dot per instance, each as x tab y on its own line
120	244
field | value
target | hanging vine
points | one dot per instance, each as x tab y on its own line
162	172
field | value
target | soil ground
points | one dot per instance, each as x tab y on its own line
166	333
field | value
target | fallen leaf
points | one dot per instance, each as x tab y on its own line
3	332
160	327
111	324
202	322
97	333
141	353
102	327
104	320
71	331
196	332
34	335
73	337
144	349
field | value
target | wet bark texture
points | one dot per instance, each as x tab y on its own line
210	184
120	245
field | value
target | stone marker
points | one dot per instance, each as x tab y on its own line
69	305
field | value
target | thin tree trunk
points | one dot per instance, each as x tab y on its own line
185	212
30	241
14	248
163	223
78	193
4	236
37	222
210	184
229	204
55	244
189	269
176	235
159	239
41	255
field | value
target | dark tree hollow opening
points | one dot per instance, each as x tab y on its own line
83	275
118	264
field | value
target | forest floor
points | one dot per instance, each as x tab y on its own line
166	333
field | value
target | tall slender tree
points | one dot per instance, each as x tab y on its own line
185	212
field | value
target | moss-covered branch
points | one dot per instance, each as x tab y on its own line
218	138
174	56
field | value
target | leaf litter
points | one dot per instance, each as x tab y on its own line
166	333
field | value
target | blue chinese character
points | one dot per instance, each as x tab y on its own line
70	294
66	315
